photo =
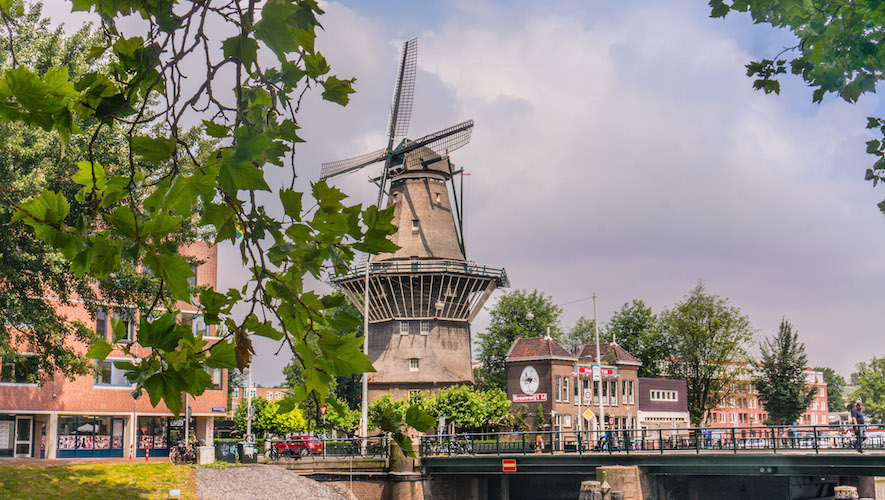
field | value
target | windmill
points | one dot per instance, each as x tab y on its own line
422	297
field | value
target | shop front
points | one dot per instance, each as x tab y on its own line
157	434
90	436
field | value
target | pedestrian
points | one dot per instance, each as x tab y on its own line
858	420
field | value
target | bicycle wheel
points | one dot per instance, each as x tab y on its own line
175	456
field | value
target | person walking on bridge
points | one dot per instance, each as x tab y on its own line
858	420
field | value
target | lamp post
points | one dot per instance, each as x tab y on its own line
598	364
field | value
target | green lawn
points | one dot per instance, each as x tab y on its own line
97	481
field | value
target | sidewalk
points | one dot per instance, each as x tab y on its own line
72	461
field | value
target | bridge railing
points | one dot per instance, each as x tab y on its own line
323	447
805	438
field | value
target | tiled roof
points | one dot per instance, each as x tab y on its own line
537	347
610	353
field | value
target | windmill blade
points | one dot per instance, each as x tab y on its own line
403	91
339	167
441	142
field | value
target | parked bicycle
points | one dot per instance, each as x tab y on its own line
183	453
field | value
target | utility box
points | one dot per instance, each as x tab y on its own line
248	452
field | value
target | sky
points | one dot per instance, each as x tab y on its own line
619	149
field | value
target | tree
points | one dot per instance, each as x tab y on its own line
837	52
470	409
583	332
162	75
781	380
635	327
507	322
707	342
34	280
835	388
268	421
870	381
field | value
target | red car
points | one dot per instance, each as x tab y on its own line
299	446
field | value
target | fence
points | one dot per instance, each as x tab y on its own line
806	438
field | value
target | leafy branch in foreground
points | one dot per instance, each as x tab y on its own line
839	51
164	74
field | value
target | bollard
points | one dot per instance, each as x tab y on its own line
590	490
131	451
845	493
147	451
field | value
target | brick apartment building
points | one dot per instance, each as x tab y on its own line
542	372
238	395
93	416
743	408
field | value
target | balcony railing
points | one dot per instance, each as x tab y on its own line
499	274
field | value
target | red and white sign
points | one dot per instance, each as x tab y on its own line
508	465
606	370
524	398
323	410
588	394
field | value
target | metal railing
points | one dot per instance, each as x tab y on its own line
776	439
295	449
499	274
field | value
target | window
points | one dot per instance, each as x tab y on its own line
413	364
268	396
595	392
403	327
236	392
425	327
614	392
631	392
217	375
126	316
567	420
201	329
565	389
624	391
20	371
108	374
604	392
558	393
101	323
664	396
279	395
415	225
192	281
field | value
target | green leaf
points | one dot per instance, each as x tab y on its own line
405	443
153	149
243	49
174	270
344	353
316	65
419	419
872	122
222	355
241	175
99	350
118	329
166	386
216	130
286	405
338	91
91	175
96	51
291	203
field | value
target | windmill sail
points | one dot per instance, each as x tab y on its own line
403	91
333	168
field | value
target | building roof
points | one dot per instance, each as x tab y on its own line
610	353
537	348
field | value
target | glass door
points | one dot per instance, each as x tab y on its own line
24	436
117	437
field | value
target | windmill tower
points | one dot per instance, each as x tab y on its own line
423	297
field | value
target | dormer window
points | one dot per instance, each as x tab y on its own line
415	225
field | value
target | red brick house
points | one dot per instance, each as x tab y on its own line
96	416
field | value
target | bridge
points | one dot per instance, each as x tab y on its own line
765	462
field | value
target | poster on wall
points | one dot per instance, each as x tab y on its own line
6	434
145	441
118	442
102	442
67	442
84	442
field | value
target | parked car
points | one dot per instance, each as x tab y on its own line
297	445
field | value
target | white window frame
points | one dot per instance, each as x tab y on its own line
414	364
425	327
120	378
403	327
613	394
565	389
6	363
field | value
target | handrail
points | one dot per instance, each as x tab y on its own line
811	439
428	266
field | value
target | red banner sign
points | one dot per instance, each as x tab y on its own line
524	398
508	465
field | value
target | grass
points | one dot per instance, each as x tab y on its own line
97	481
